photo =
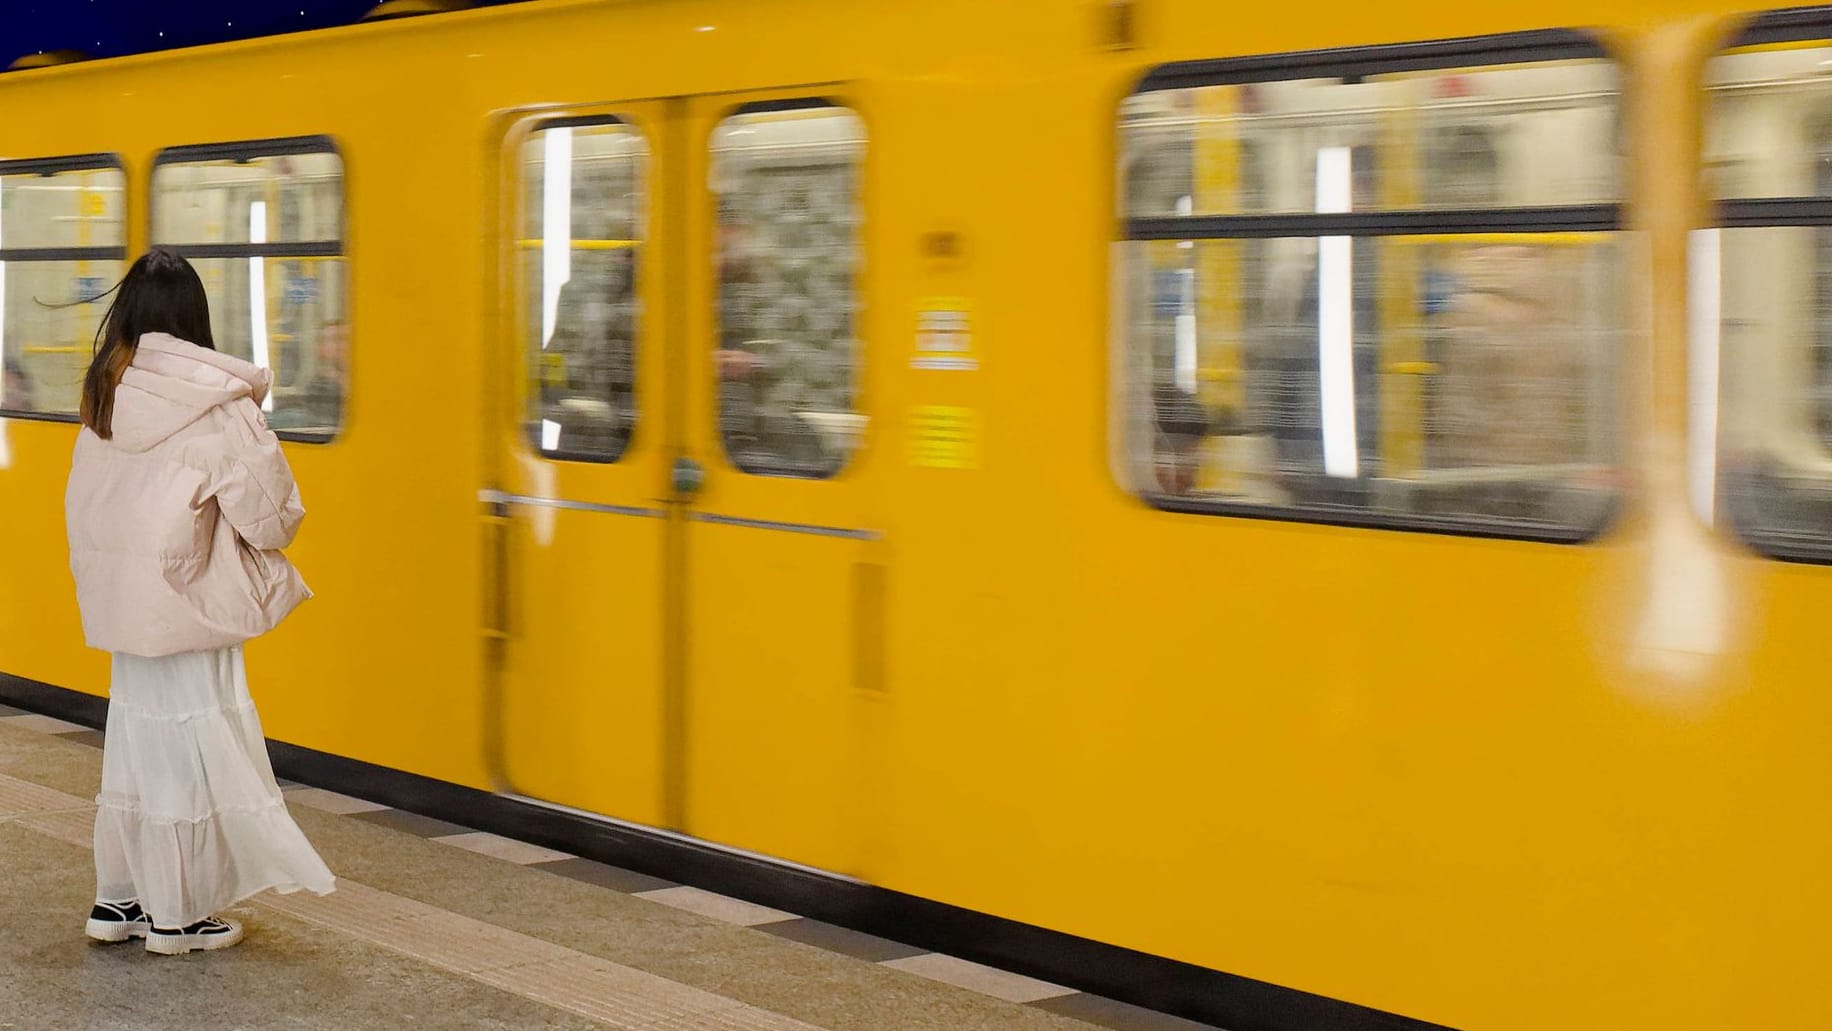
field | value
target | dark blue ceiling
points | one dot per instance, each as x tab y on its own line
109	28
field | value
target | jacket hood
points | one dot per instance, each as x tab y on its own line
173	383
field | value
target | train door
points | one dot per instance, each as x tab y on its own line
782	578
691	576
578	705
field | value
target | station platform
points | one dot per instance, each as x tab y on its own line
435	925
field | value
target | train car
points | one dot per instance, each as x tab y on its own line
1300	519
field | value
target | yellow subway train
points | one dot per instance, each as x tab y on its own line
1299	519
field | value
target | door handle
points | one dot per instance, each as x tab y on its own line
689	477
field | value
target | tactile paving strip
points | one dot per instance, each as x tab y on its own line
19	797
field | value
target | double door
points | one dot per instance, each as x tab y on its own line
690	577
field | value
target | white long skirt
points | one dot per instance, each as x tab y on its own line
190	820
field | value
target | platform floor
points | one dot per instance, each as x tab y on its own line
437	926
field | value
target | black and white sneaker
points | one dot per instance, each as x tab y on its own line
208	933
118	921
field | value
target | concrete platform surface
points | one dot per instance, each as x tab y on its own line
439	926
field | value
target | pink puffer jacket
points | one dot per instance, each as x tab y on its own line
176	524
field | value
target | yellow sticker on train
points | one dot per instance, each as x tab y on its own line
944	335
943	437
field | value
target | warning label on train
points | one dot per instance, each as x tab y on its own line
944	438
944	335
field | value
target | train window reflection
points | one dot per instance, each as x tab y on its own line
583	195
1763	281
62	246
1375	298
263	224
787	181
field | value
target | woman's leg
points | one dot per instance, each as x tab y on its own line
116	915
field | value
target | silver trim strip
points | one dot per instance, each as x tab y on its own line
770	524
497	497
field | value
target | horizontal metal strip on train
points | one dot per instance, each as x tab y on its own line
53	166
247	150
1590	218
1371	519
63	254
1788	25
562	454
20	413
493	497
780	527
1775	211
302	249
1354	62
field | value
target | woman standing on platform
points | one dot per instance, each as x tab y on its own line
178	503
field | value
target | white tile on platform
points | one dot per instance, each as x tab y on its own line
986	980
330	801
43	724
718	907
499	847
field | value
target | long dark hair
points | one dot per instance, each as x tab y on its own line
161	294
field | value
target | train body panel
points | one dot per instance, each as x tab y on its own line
1482	782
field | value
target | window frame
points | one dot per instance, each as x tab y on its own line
245	150
1500	50
55	166
857	367
1786	25
513	142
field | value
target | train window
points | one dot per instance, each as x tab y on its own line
583	198
263	224
787	182
1762	292
1379	288
62	246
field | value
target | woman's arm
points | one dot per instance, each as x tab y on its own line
252	483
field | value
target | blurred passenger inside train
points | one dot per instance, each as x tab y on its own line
1182	426
16	392
178	504
321	399
759	393
588	383
738	357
